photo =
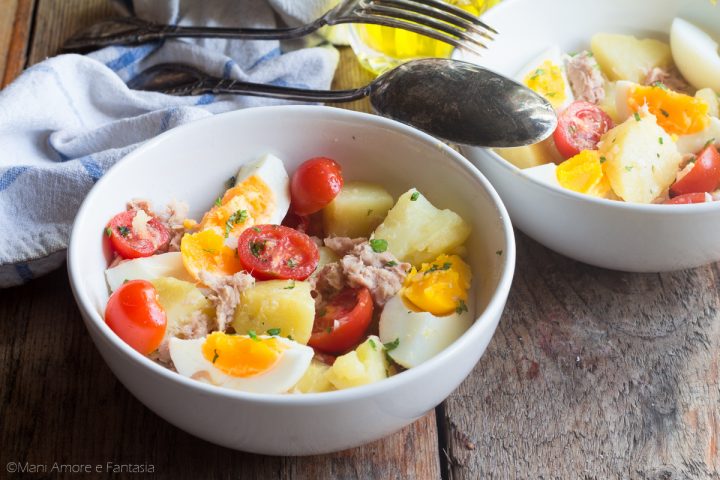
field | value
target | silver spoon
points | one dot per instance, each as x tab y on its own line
456	101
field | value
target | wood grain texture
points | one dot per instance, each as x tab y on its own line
15	23
594	374
60	403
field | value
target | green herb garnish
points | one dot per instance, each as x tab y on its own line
123	230
660	140
603	159
414	196
461	307
372	343
253	335
230	182
108	231
291	263
218	201
216	355
637	116
238	217
434	267
664	112
390	346
708	143
628	168
256	248
274	331
391	263
378	245
290	286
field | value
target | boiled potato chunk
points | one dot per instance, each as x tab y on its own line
357	210
624	57
366	364
709	96
532	155
282	304
640	159
417	232
315	379
182	302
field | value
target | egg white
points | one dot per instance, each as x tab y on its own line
148	268
546	174
623	90
271	171
556	56
695	142
695	54
190	362
421	335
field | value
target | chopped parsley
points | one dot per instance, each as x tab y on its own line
253	335
603	159
123	231
238	217
273	331
322	312
391	263
230	182
537	73
660	85
372	343
628	168
291	263
434	267
660	140
108	231
378	245
218	201
257	229
290	337
256	248
551	94
414	196
461	307
708	143
390	346
290	286
328	330
637	116
664	112
216	355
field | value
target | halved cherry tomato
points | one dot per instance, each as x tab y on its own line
325	358
580	127
342	323
301	223
135	315
704	176
686	199
128	243
315	184
276	252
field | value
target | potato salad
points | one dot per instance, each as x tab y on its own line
637	118
290	284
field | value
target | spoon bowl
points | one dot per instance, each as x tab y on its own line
456	101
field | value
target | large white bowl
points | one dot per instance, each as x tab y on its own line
616	235
192	163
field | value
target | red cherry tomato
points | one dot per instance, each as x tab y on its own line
686	199
135	315
704	176
315	184
276	252
343	322
300	223
580	127
128	244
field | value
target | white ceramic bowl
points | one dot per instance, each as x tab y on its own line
191	163
616	235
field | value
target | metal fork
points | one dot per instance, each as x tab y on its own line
431	18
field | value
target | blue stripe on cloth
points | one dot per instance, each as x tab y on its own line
165	120
91	167
10	175
66	94
227	69
274	53
130	56
205	99
24	272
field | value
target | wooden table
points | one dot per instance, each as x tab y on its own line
591	373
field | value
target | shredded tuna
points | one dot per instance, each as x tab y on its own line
672	79
586	78
342	245
380	273
225	293
197	326
140	204
174	217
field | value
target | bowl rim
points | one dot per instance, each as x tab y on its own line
646	208
494	306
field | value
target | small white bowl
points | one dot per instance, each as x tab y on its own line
616	235
192	163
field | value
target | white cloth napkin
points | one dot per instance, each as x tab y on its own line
66	120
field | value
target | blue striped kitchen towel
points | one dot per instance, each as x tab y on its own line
66	120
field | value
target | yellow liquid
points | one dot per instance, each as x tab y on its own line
382	48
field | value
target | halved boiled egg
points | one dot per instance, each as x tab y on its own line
696	55
419	336
694	143
261	195
546	76
676	113
260	364
439	286
206	251
148	268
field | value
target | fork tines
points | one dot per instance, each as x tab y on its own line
432	18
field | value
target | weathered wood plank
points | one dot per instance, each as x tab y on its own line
59	402
594	374
15	22
351	75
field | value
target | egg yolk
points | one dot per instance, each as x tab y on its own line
249	203
206	250
439	287
583	173
676	113
241	356
548	81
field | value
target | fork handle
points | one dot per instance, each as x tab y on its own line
218	86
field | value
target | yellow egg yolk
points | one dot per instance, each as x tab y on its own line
241	356
440	287
206	250
249	203
676	113
583	173
548	81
